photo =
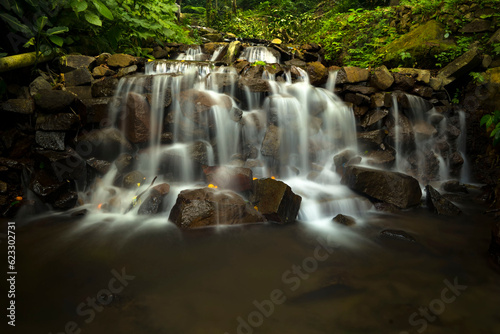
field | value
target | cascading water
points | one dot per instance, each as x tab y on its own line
259	53
206	126
193	53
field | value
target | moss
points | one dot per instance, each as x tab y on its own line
421	44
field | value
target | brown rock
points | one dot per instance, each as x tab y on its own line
318	74
391	187
356	74
344	220
53	101
104	87
382	78
272	142
276	200
210	207
121	60
72	62
19	106
57	122
476	26
102	71
374	116
439	204
237	179
137	119
78	77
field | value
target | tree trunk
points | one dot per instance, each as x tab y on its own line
22	60
234	6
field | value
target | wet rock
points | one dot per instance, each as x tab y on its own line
133	179
47	187
124	163
356	74
70	63
222	80
78	77
404	131
105	144
102	71
100	166
362	89
380	100
233	51
272	141
153	204
391	187
373	116
424	130
476	26
237	179
39	84
454	186
254	85
137	122
318	74
397	235
161	54
357	99
452	132
423	91
382	78
50	140
67	165
121	60
340	160
66	201
196	106
126	71
102	58
19	106
210	207
53	101
440	205
371	139
403	82
386	207
381	159
57	122
81	92
97	109
495	38
344	220
276	200
104	87
456	161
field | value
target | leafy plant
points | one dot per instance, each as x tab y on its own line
492	121
477	77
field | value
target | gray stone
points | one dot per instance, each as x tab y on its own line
19	106
51	140
440	205
382	78
72	62
57	122
53	101
81	92
104	87
127	71
39	84
78	77
476	26
102	71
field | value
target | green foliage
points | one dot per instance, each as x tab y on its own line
354	38
463	43
477	77
259	62
492	121
118	25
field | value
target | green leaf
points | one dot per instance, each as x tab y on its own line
93	19
29	43
57	40
103	10
45	50
494	132
79	6
57	30
484	120
15	24
17	9
40	23
5	3
3	54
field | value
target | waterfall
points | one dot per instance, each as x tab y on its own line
259	53
193	53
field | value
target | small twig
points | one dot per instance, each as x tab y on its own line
50	74
492	211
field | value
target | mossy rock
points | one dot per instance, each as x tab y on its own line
422	43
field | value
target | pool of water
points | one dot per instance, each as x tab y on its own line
137	276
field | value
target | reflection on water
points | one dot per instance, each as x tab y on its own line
258	279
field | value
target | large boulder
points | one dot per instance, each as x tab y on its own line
78	77
318	74
390	187
121	60
70	63
196	106
238	179
19	106
233	51
276	200
57	122
104	87
356	74
422	43
272	142
440	205
203	207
